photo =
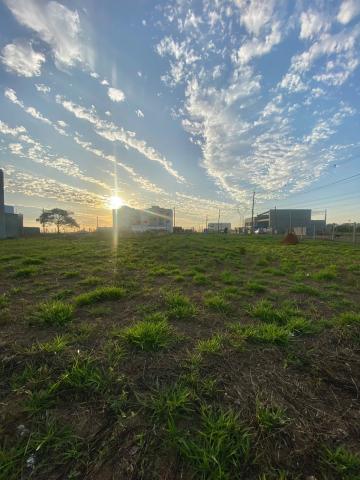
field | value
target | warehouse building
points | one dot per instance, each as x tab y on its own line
215	227
281	221
154	219
11	223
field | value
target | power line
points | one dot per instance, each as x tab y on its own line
327	185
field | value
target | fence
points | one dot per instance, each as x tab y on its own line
335	235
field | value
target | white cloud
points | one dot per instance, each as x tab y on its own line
6	130
62	123
113	133
257	47
312	23
116	95
94	75
256	14
36	114
56	25
349	9
15	148
40	87
20	58
108	113
139	113
104	82
10	94
30	185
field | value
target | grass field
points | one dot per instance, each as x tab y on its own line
179	357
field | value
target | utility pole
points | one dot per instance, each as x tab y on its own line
97	223
252	213
325	216
219	221
354	233
275	220
206	222
174	217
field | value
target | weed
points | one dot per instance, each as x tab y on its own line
32	261
228	278
53	313
92	280
343	463
25	272
149	336
71	274
100	295
306	290
56	345
82	377
43	450
219	449
255	287
179	306
200	279
217	302
270	418
264	333
170	404
266	312
328	273
347	319
211	345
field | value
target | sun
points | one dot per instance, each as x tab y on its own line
116	202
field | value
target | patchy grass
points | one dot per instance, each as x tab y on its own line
179	306
101	294
217	302
263	333
179	356
219	449
149	335
25	272
53	313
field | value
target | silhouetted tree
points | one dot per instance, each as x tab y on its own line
58	217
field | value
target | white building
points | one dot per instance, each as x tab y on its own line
218	227
154	219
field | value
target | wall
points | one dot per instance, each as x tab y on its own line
283	220
13	225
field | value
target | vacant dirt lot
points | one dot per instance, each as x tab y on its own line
179	357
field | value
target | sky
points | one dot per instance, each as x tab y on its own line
192	104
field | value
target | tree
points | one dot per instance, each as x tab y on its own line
58	217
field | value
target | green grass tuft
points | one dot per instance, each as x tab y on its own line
53	313
344	463
100	295
270	418
25	272
149	335
179	306
219	449
217	302
264	333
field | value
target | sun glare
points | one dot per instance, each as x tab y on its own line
116	202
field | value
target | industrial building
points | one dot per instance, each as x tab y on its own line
154	219
11	223
281	221
215	227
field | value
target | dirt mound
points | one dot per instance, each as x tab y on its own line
290	239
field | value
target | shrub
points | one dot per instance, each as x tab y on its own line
53	313
100	295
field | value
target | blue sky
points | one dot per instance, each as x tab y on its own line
186	103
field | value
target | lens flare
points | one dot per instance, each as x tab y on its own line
116	202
